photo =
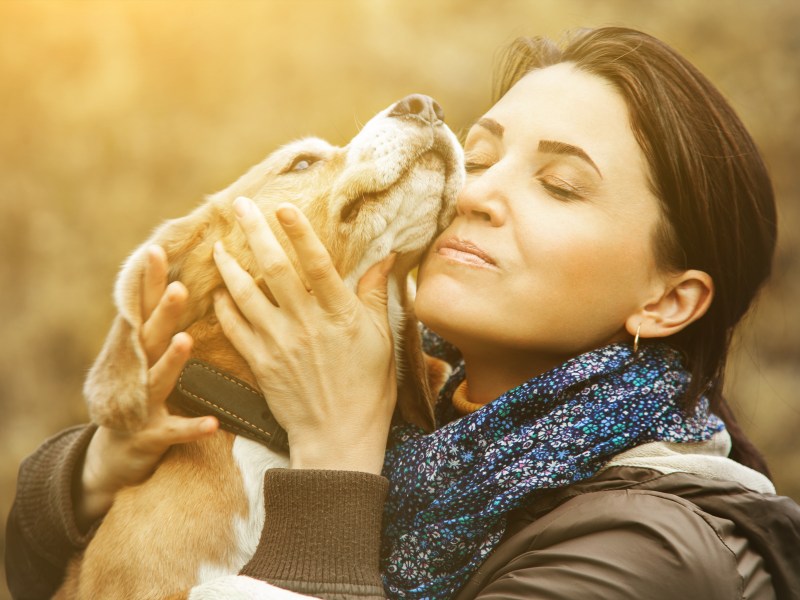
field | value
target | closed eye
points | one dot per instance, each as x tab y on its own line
474	167
476	161
302	162
560	189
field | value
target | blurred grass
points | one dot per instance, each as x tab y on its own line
116	115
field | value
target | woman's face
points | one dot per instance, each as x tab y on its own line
551	248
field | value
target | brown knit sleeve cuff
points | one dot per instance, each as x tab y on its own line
44	495
322	532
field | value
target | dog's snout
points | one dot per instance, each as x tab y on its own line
420	106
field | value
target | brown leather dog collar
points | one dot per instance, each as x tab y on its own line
203	389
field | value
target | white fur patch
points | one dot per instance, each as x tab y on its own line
253	461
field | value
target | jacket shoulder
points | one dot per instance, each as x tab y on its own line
621	541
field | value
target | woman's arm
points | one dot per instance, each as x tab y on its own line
323	533
324	359
42	532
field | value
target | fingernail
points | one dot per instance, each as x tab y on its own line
219	249
241	206
207	425
287	214
172	291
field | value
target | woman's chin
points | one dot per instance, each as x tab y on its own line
441	302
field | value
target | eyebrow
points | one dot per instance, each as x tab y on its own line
553	147
491	126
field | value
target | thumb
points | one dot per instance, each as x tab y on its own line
175	429
372	286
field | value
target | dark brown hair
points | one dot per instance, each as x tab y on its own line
718	207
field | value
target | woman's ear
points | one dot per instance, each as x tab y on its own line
685	298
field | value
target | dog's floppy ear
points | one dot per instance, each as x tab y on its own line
116	388
424	378
415	397
437	372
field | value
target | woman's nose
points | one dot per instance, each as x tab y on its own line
481	200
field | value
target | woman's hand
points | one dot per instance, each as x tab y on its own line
323	357
115	459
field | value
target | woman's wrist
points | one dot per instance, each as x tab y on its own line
93	495
314	452
337	461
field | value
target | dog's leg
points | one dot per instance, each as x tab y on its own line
195	495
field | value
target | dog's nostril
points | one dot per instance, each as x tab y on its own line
437	110
420	106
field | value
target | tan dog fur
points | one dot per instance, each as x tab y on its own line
392	189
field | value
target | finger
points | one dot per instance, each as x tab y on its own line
233	324
164	321
180	430
315	262
176	429
248	297
154	280
274	265
163	375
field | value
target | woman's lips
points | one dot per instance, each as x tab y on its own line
464	251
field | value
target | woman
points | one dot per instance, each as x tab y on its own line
616	223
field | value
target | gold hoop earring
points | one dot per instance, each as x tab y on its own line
636	339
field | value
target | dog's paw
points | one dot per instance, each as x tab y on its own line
239	587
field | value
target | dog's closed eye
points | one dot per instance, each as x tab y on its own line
302	162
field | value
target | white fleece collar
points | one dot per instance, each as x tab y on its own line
708	460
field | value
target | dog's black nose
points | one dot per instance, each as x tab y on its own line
420	106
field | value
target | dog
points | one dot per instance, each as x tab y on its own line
200	515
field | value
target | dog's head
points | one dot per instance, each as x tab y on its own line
391	189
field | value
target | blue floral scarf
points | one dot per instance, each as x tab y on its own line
452	489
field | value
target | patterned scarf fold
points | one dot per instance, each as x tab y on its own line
451	490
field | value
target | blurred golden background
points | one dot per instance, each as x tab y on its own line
116	115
